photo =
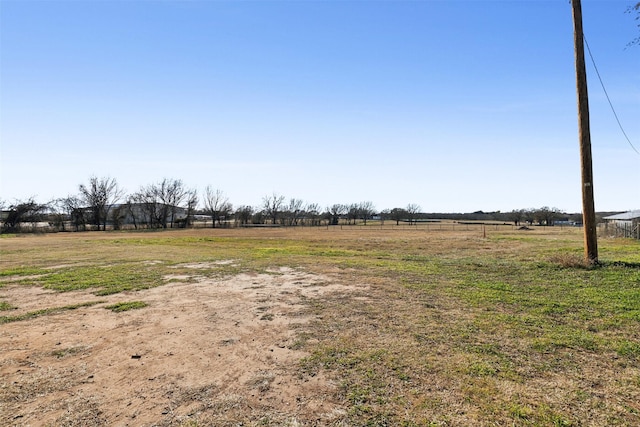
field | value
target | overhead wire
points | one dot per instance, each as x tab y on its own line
607	96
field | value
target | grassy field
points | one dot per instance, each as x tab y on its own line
458	327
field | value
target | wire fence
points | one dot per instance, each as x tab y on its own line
628	229
615	230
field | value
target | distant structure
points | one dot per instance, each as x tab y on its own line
625	224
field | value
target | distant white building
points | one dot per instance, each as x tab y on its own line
626	224
151	215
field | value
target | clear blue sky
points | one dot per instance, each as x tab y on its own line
456	106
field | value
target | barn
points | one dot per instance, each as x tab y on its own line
626	224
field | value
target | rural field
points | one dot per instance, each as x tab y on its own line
351	326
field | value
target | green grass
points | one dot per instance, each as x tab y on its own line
523	316
22	271
4	306
104	280
453	329
126	306
45	312
69	351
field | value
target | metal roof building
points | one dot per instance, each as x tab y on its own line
625	216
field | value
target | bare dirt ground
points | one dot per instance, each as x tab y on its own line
203	352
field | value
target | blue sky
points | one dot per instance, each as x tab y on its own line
456	106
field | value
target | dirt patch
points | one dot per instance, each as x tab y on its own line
212	351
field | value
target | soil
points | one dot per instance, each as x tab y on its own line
202	352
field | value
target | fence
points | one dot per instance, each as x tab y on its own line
626	229
607	229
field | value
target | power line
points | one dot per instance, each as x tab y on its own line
607	95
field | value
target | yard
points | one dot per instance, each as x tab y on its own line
319	327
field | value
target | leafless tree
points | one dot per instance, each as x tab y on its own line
159	203
58	215
171	193
118	214
216	205
258	217
272	206
68	209
384	215
398	214
132	208
517	215
547	216
294	212
145	208
99	196
312	213
243	215
412	211
191	204
366	211
22	212
353	212
77	214
335	212
529	215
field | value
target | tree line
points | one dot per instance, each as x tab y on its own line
102	203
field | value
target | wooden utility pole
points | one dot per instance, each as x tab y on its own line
588	209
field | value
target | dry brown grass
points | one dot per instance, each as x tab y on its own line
428	326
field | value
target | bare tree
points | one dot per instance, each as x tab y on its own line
217	205
335	212
366	211
58	214
398	214
529	215
160	203
312	213
171	193
412	211
145	207
68	209
100	195
133	210
192	203
272	206
353	212
294	211
547	216
118	214
258	217
77	214
516	216
384	215
21	213
243	215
